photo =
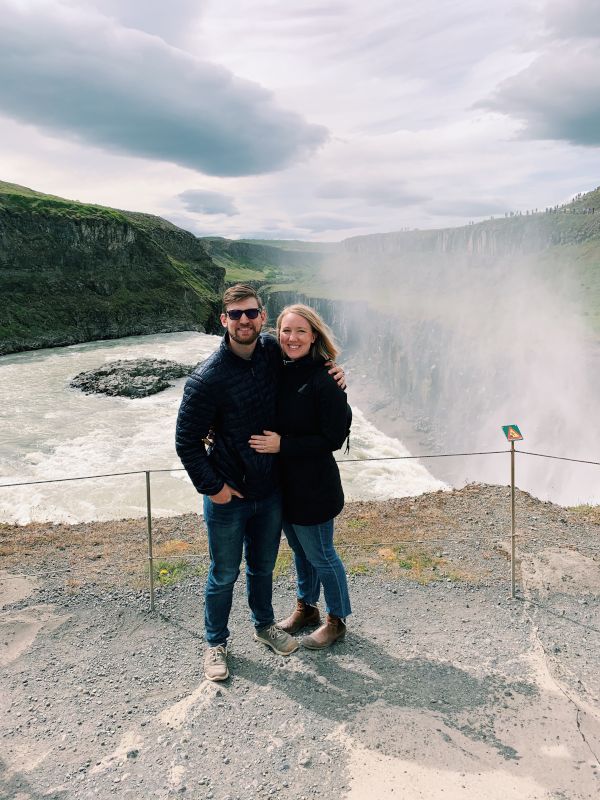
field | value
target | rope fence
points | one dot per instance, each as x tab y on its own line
513	534
558	458
338	461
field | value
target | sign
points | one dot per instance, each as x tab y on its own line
512	432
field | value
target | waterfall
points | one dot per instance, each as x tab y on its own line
459	365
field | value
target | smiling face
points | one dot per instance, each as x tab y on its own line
295	336
244	331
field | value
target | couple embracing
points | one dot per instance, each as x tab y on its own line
277	415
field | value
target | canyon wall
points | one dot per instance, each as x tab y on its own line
72	273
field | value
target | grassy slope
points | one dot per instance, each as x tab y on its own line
29	201
72	272
266	262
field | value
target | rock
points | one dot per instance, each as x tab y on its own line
131	378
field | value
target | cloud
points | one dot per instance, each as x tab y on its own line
556	97
170	21
89	86
324	222
392	195
573	18
76	72
204	202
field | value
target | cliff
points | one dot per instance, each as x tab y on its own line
71	272
559	245
518	234
454	332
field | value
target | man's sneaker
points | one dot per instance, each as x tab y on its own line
215	663
279	641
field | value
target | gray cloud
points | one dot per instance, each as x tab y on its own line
78	73
372	193
556	96
170	21
204	202
573	18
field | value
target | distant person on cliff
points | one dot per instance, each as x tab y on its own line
313	419
233	393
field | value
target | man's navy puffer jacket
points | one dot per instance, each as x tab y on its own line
235	398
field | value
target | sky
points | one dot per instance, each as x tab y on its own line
298	119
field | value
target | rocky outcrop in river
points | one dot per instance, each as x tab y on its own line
131	378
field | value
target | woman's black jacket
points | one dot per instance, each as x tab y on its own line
313	419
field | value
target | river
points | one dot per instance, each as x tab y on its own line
50	431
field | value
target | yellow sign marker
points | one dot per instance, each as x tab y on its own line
512	433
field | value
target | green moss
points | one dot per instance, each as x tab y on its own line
358	568
357	524
283	564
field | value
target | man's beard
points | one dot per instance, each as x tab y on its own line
248	339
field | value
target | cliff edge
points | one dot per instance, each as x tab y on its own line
72	272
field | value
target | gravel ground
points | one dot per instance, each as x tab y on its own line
443	688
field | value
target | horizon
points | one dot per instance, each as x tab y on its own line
507	216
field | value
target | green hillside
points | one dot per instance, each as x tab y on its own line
560	245
73	272
268	263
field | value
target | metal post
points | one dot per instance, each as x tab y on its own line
512	520
149	524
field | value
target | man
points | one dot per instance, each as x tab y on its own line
234	393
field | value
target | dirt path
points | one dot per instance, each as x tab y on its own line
444	688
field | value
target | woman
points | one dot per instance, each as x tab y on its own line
313	421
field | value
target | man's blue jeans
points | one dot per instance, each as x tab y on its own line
318	563
251	526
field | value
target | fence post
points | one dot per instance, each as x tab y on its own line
512	520
149	526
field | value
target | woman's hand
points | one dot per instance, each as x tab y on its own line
337	373
268	443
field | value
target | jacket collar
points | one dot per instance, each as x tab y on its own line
305	362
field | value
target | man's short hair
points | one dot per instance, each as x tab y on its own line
240	291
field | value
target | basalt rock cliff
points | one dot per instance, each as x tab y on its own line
71	272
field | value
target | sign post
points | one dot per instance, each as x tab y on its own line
513	434
149	526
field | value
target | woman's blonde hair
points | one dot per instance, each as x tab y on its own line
325	344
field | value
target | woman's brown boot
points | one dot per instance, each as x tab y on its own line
327	634
302	617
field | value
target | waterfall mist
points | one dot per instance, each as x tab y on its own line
461	337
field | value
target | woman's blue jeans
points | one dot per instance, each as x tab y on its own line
251	526
317	563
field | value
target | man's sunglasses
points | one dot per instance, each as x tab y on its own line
236	313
